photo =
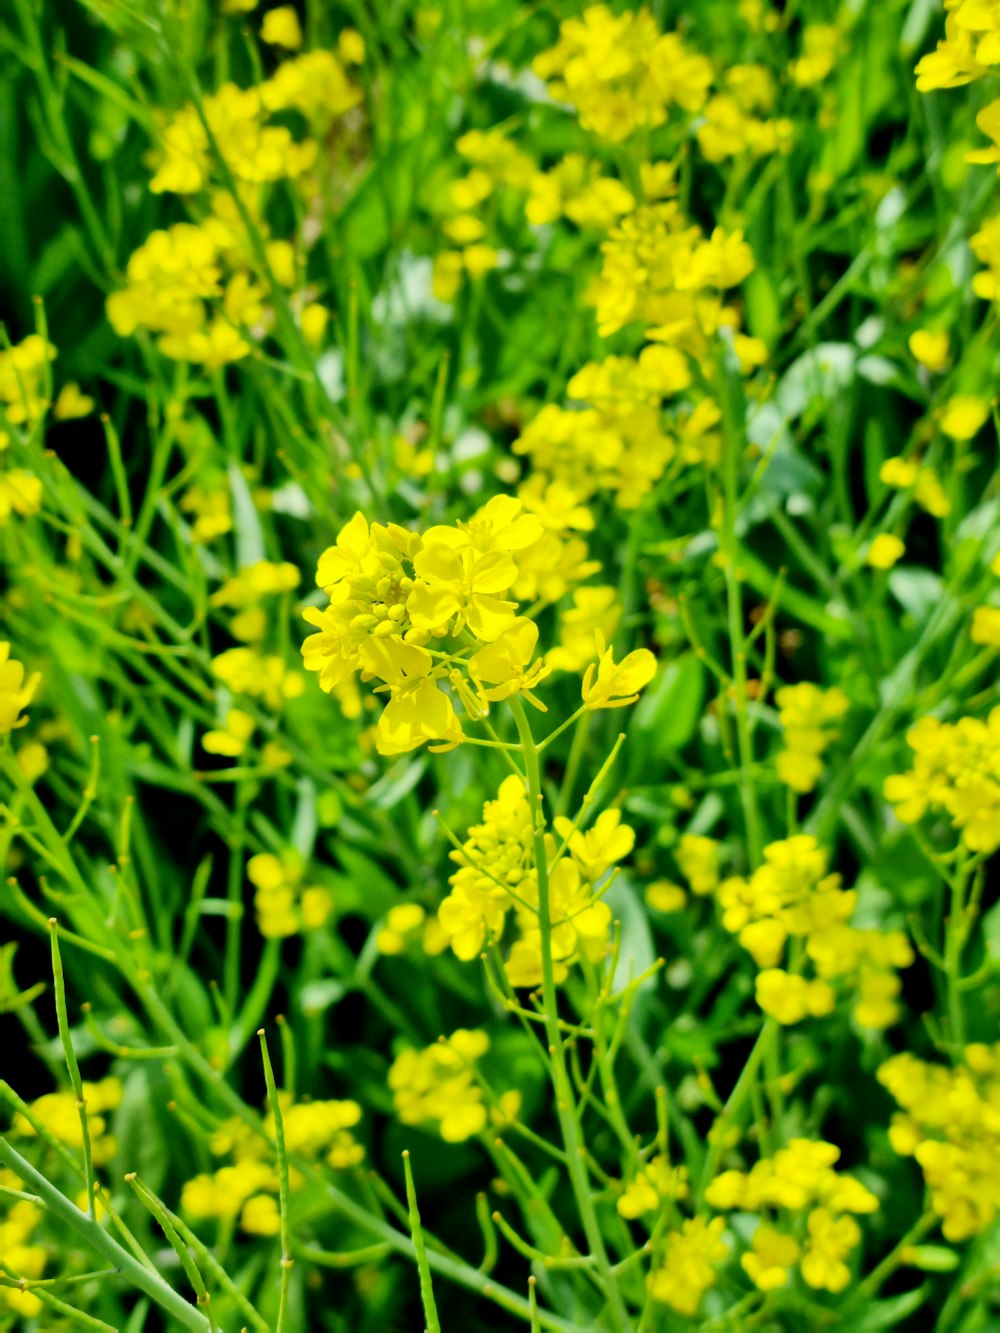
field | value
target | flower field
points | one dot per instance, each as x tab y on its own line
499	697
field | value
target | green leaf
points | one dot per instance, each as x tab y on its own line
666	717
888	1313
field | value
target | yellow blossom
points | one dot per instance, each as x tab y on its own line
689	1261
964	415
281	27
768	1262
16	690
616	686
437	1086
931	349
886	549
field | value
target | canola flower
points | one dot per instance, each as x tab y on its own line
956	770
948	1123
790	899
395	593
457	625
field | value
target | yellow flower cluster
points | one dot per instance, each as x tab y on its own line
421	612
408	923
24	381
284	907
971	45
734	121
58	1113
194	288
792	897
576	189
908	474
247	1189
199	287
258	675
687	1270
495	163
211	509
661	271
806	712
613	438
233	122
797	1179
956	769
21	1256
437	1086
950	1122
654	1184
621	74
20	493
231	739
970	51
497	874
245	591
16	691
595	611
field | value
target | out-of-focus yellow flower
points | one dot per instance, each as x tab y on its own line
964	415
437	1086
885	550
664	896
20	493
72	403
690	1257
986	626
231	739
281	27
16	691
899	472
931	349
772	1255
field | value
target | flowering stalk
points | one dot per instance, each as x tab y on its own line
565	1102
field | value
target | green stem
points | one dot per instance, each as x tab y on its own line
98	1239
730	1113
565	1108
732	435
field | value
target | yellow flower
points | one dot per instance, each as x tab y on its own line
899	472
829	1243
16	691
790	998
416	713
313	321
503	666
437	1086
656	1183
615	686
772	1256
662	896
72	403
283	907
20	493
950	1127
281	27
690	1257
231	739
884	551
402	923
986	626
964	415
931	349
698	859
821	44
463	585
